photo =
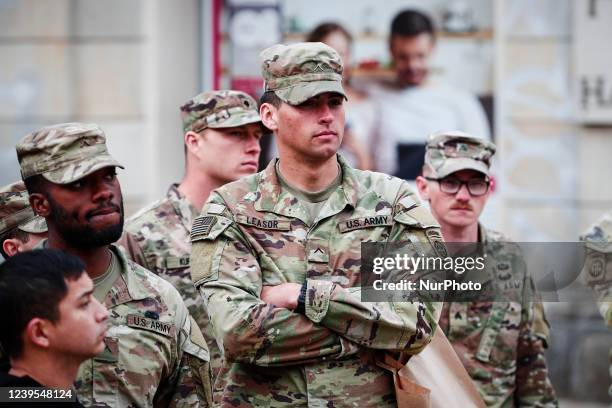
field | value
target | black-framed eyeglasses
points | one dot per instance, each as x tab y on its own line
452	185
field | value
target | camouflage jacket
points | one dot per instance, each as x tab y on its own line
155	356
501	343
252	233
597	273
157	237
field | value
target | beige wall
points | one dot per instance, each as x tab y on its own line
124	64
553	172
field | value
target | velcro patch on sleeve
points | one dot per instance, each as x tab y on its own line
202	254
214	208
141	322
365	222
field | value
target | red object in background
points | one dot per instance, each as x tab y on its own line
251	85
369	64
217	6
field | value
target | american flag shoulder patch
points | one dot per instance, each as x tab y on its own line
202	225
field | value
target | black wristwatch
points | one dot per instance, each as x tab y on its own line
301	302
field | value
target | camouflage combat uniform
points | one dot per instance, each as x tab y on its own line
157	237
501	343
155	355
152	356
161	234
251	233
255	232
597	273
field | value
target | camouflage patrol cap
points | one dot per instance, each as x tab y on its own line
452	151
64	153
300	71
219	109
15	211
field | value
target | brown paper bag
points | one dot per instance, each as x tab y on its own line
407	392
434	378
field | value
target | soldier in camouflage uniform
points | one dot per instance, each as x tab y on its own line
276	255
597	272
20	228
154	353
501	343
222	132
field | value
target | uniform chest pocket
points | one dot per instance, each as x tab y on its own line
103	377
275	240
147	350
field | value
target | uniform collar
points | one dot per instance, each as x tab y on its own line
129	286
271	197
483	237
182	207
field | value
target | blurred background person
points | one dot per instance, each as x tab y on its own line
412	105
54	324
20	228
358	145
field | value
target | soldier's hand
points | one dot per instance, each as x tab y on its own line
284	295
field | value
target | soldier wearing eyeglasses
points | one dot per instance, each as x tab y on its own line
500	343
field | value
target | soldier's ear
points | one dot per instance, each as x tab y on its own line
37	332
192	141
10	246
40	204
423	188
269	116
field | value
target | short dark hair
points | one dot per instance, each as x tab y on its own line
14	233
32	284
410	23
271	98
321	31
